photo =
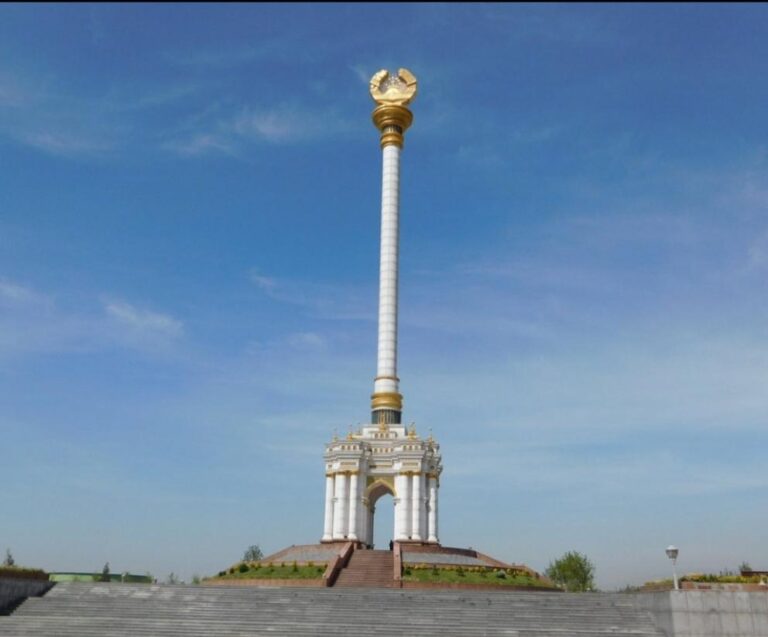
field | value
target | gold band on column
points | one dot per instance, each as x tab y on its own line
387	400
392	120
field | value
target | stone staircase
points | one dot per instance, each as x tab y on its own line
133	610
368	568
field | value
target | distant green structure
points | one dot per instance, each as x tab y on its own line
127	578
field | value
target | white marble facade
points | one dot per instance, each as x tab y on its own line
373	462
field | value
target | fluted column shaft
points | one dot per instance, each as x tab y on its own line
354	505
340	507
402	507
433	532
328	526
416	506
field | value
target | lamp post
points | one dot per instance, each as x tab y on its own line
672	555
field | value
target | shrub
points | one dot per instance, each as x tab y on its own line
501	574
460	571
23	573
222	573
295	567
573	572
252	553
407	571
243	568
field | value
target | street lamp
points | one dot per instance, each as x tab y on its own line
672	555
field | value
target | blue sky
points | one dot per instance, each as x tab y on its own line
189	218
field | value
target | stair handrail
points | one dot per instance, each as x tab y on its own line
337	563
398	565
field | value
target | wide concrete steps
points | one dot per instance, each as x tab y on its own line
368	568
132	610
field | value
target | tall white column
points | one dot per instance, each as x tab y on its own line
354	506
423	507
340	507
401	507
369	517
433	534
386	369
392	118
416	506
328	526
363	519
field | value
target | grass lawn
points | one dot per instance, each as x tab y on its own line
277	572
444	576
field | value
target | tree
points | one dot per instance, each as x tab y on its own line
9	561
253	554
172	579
745	566
573	571
105	573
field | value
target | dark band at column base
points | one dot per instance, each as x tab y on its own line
386	417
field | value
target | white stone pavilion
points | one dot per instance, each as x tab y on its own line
385	457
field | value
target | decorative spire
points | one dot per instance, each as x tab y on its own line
392	93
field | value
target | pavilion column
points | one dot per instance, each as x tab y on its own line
416	505
433	534
402	508
340	507
423	508
354	505
328	526
369	516
364	520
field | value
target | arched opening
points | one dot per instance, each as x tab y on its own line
381	512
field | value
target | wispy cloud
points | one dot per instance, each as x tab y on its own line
217	58
362	73
54	118
249	125
322	300
264	282
65	143
142	321
273	126
308	341
202	144
34	322
553	24
15	294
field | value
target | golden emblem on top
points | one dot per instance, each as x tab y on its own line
387	88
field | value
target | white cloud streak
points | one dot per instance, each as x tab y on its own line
322	300
15	294
32	323
144	321
52	118
235	133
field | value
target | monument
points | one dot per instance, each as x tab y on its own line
385	456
